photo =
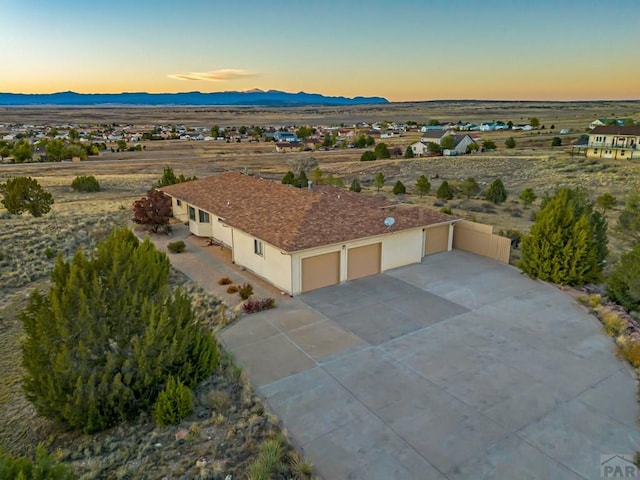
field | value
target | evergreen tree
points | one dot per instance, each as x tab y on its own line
302	181
399	188
470	187
379	181
316	176
355	185
423	185
510	142
24	194
408	153
496	192
623	284
527	196
629	219
368	156
444	192
170	178
382	151
567	244
100	345
289	178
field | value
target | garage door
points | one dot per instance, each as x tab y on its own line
436	239
363	261
320	271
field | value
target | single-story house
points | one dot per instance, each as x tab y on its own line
304	239
288	147
462	142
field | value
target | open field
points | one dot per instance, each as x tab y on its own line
78	220
562	114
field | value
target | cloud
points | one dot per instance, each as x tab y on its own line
215	75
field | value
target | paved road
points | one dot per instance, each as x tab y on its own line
456	368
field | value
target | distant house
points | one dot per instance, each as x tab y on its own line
285	137
493	126
462	142
282	147
614	142
619	122
426	128
522	126
564	131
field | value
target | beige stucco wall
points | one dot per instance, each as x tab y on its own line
201	229
179	212
221	231
272	266
402	248
398	249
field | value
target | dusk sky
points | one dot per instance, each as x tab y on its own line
403	49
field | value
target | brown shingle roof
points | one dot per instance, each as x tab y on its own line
295	219
616	130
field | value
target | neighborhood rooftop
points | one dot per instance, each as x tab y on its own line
294	219
617	130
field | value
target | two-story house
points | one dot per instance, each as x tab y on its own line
615	142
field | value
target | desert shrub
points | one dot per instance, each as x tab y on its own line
217	400
245	291
176	247
270	460
623	284
114	310
24	194
368	156
629	349
225	281
446	210
232	289
613	324
43	467
300	465
174	403
49	253
86	183
252	306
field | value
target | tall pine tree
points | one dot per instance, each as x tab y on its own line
100	345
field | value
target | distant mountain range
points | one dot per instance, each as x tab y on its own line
255	97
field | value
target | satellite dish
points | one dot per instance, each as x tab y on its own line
389	221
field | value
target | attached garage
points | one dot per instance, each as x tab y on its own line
363	261
320	271
436	239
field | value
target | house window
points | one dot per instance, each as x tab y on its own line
178	202
192	213
258	247
203	216
622	153
595	150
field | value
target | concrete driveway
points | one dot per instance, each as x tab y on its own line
458	367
